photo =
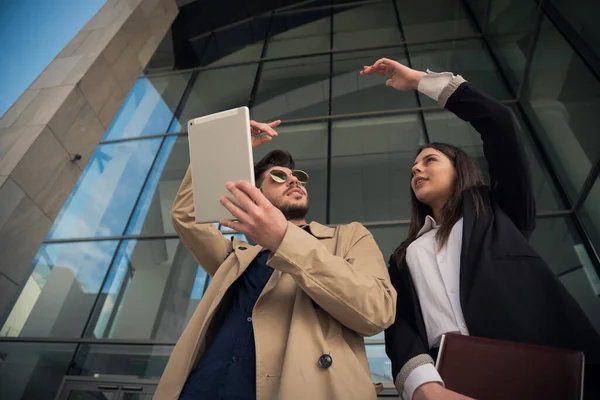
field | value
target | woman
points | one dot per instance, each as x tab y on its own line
467	266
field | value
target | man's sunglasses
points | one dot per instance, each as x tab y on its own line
281	176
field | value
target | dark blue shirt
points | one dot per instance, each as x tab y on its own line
227	370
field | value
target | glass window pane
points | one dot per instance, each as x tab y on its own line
426	20
59	294
584	287
590	215
152	290
227	230
556	241
510	32
33	370
163	58
478	9
103	199
365	25
149	107
305	5
353	93
379	336
241	42
559	244
111	359
293	89
300	33
219	89
582	16
371	167
468	58
78	394
445	127
308	145
152	214
388	238
562	98
136	396
379	364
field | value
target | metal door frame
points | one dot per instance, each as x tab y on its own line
117	384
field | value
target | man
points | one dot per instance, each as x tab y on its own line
284	319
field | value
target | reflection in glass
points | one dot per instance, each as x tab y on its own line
149	107
590	215
142	361
379	364
365	25
33	370
103	198
468	58
91	395
388	238
581	15
556	241
59	294
136	396
354	93
300	33
426	20
379	336
292	89
217	90
445	127
510	32
306	5
371	167
562	100
237	43
479	10
152	290
152	214
308	145
584	286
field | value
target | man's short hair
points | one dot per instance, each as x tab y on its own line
276	158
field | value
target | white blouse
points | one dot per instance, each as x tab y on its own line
435	272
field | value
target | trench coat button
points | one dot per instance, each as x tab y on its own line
325	361
242	248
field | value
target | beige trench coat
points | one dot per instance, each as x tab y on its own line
340	268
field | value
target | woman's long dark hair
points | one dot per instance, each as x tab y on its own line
468	177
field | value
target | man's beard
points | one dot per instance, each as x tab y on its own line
293	212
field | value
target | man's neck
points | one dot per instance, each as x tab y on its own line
298	222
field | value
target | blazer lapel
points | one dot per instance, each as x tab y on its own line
466	269
414	298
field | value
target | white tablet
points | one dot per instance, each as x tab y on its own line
220	152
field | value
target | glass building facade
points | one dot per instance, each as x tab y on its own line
112	287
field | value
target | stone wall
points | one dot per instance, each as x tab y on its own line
65	111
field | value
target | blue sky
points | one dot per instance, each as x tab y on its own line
32	33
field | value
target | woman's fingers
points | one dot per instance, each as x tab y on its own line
257	141
383	66
257	128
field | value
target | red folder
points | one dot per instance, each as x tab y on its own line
488	369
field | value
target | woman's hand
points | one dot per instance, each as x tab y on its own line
400	76
257	129
435	391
